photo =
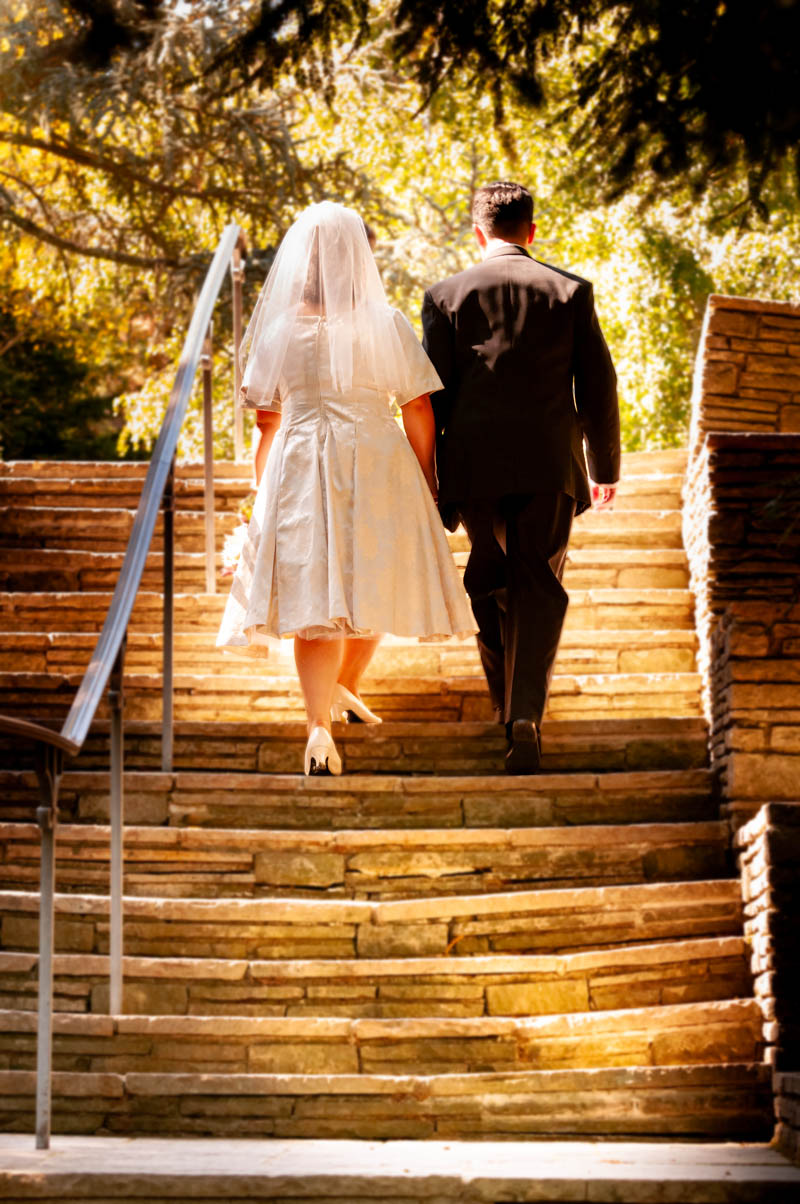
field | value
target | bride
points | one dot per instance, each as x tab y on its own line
345	543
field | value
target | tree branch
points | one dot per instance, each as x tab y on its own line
9	343
111	167
46	214
64	244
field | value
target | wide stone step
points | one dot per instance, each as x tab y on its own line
124	492
622	568
200	614
580	984
430	699
47	569
614	651
623	529
137	469
289	802
107	529
473	925
102	529
669	460
682	1034
221	863
600	745
234	470
660	490
408	1172
33	570
732	1100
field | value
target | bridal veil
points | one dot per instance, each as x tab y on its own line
325	266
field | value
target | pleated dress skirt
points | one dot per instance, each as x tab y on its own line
345	538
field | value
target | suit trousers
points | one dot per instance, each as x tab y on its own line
513	578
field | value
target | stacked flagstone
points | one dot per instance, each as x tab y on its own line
787	1108
742	524
742	533
747	373
769	848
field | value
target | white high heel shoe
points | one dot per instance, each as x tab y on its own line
348	707
321	755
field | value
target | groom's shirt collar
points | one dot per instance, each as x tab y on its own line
508	248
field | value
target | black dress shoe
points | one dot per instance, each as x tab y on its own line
525	753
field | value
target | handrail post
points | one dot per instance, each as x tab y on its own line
237	279
49	766
208	455
117	701
167	705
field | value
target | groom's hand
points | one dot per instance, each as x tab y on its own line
433	486
603	496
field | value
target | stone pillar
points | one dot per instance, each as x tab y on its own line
769	849
742	534
747	373
787	1109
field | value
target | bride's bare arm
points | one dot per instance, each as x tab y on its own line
420	428
268	422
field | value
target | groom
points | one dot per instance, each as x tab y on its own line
528	383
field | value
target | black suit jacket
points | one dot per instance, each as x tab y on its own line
527	378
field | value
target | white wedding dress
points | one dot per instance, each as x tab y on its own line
345	538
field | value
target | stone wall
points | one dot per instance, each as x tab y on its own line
787	1108
747	374
769	847
742	534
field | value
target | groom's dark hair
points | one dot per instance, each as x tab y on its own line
502	208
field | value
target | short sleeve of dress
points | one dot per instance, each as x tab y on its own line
417	374
273	406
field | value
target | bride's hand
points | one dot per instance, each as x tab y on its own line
418	423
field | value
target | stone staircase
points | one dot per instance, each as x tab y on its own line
628	648
422	948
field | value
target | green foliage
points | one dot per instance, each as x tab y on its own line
130	133
692	91
47	410
144	409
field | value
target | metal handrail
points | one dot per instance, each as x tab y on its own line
107	664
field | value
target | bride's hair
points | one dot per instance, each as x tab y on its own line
502	208
312	289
